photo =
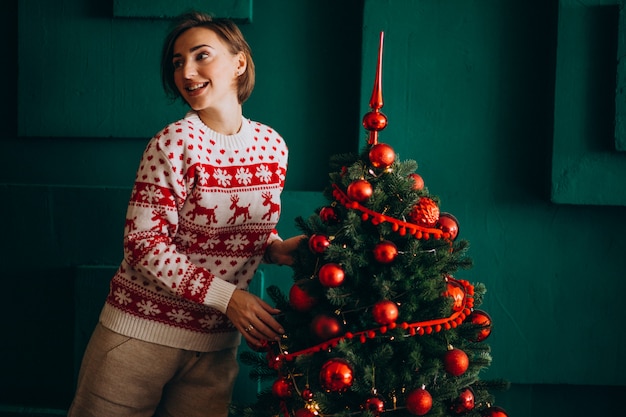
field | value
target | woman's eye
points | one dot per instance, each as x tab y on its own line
177	64
202	56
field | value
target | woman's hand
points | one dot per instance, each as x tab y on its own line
279	252
253	318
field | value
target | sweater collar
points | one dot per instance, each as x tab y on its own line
229	141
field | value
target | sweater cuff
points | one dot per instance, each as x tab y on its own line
219	294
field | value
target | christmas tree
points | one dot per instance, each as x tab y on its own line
377	321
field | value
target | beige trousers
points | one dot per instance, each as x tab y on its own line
124	377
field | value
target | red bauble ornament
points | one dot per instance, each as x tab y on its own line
425	212
374	121
326	327
419	402
375	405
418	181
263	346
299	299
318	243
360	190
273	361
307	394
281	388
464	402
457	293
329	215
382	155
455	361
482	319
385	312
336	375
331	275
494	411
448	224
303	412
385	252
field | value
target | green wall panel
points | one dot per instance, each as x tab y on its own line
88	75
590	109
238	10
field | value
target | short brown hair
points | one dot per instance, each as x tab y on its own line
227	30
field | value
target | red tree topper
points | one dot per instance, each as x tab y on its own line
374	121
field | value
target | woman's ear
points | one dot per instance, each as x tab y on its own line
242	63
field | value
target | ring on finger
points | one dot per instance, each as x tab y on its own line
250	327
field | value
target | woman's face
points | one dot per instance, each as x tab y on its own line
205	72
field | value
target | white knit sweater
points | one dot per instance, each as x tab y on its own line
202	210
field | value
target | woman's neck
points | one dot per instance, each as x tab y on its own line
224	122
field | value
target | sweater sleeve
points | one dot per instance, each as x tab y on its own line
161	187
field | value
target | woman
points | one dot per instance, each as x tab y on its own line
200	220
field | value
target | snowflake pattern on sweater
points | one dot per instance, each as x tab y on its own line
202	210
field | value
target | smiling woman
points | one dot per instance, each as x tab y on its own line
206	75
226	36
200	220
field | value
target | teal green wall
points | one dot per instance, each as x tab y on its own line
470	95
469	90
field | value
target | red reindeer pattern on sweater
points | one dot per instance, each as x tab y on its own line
202	210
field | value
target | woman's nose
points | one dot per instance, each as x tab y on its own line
189	70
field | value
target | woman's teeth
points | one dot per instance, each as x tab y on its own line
196	86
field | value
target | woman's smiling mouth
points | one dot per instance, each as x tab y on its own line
195	87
